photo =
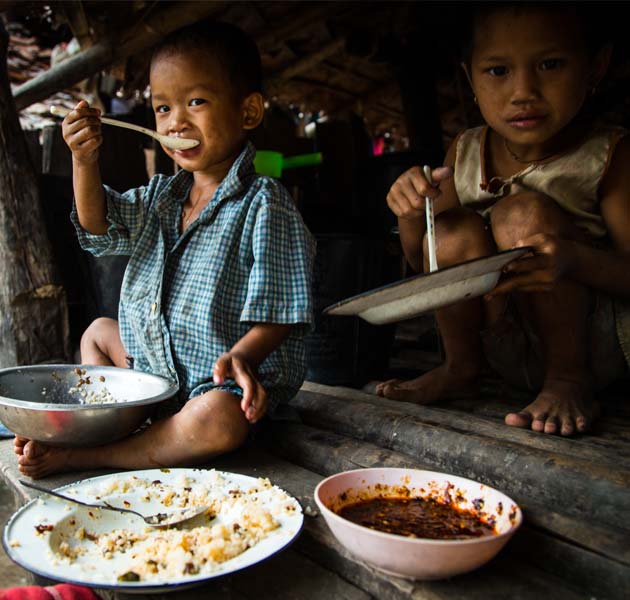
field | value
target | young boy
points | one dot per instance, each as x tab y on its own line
217	292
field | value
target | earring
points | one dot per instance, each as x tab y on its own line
593	90
475	99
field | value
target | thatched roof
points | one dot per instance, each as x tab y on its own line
317	56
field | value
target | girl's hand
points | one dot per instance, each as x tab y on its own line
407	194
550	261
233	366
81	130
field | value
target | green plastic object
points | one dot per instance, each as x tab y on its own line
270	163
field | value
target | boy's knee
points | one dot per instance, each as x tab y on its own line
461	235
524	214
219	421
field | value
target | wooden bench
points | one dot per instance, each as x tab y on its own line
575	494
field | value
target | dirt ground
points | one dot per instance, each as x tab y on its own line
10	573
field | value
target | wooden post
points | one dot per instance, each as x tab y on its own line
417	81
33	311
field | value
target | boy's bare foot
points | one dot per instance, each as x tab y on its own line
564	407
18	444
38	460
441	382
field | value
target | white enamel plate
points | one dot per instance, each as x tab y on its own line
249	521
423	293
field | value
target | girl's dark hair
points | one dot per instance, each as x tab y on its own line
588	15
234	51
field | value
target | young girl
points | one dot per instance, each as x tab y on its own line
539	174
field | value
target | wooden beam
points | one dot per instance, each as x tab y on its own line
306	63
372	94
325	87
296	22
74	13
140	36
354	98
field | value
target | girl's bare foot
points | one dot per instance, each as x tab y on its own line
441	382
38	460
564	407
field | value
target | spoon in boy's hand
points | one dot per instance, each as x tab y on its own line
175	143
165	519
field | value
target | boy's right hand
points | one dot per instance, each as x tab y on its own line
82	132
407	194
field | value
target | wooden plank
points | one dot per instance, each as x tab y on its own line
286	575
600	492
587	446
601	566
602	576
611	430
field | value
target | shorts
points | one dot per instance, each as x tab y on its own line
173	405
515	352
228	386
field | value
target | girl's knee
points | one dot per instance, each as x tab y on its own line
461	235
524	214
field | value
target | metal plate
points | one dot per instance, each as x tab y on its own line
422	293
146	490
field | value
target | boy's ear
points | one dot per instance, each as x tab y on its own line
600	65
253	110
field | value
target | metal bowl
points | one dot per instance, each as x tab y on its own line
45	402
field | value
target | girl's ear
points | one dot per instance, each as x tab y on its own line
253	110
465	67
600	65
472	87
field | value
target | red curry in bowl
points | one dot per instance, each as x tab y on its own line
418	518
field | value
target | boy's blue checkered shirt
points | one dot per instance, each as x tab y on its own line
186	299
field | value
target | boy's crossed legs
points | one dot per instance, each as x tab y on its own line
207	425
559	317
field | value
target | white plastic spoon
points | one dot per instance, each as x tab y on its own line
433	266
175	143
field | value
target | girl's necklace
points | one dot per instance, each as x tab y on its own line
517	158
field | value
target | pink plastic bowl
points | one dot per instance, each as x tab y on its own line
416	558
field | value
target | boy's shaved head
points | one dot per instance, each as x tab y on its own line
234	51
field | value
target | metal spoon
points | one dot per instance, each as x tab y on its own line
174	517
166	140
